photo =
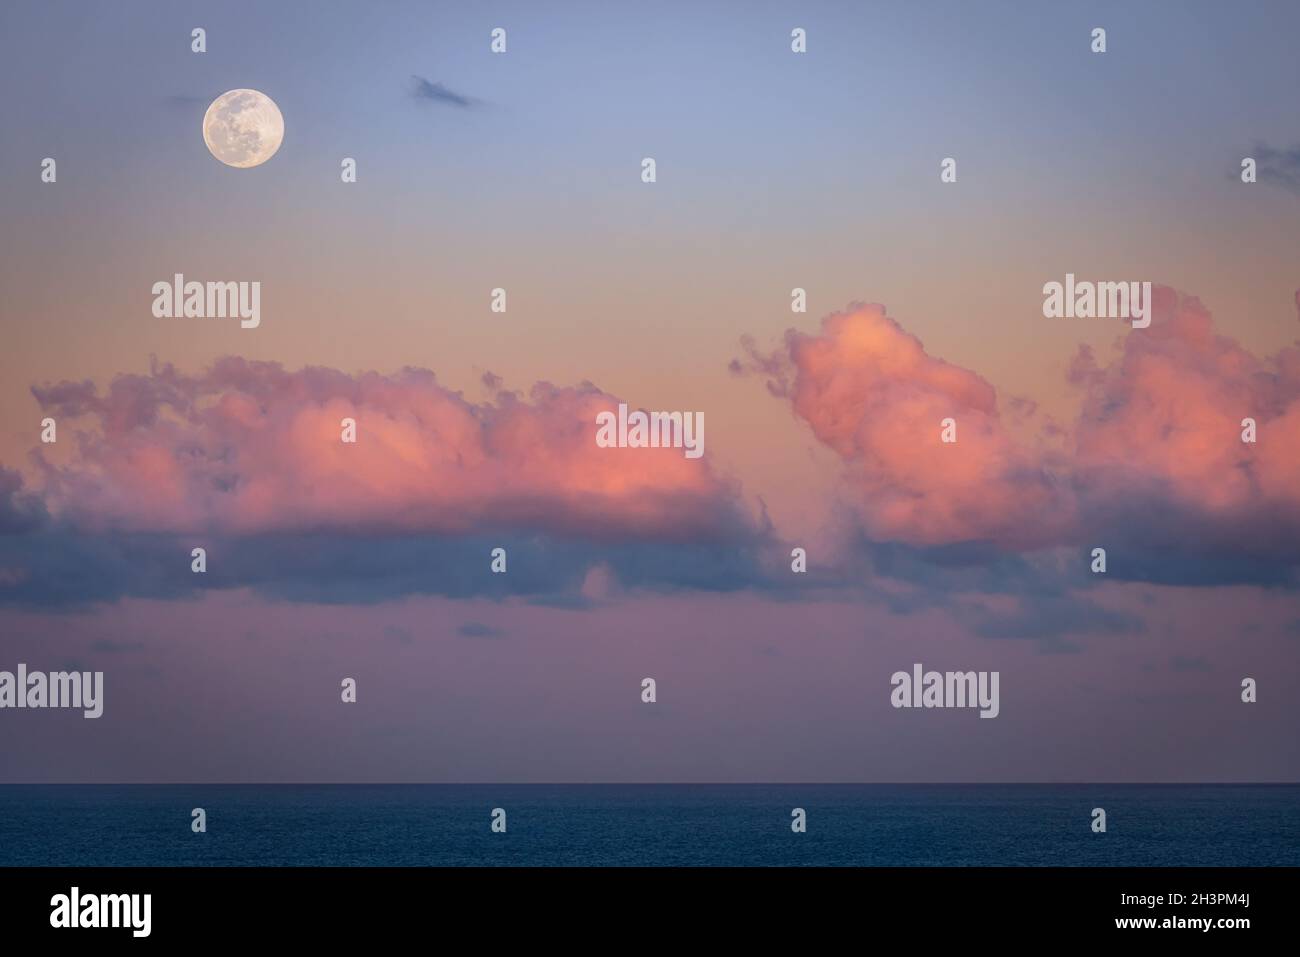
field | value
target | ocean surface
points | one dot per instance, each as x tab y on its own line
736	825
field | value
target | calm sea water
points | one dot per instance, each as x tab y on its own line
397	825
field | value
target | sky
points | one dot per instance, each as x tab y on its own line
476	429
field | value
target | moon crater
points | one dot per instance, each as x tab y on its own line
243	128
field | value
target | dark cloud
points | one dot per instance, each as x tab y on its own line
1278	167
20	511
425	89
1046	598
57	566
1041	597
475	629
1045	617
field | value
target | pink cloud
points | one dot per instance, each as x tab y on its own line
871	392
249	446
1159	431
1155	452
1163	422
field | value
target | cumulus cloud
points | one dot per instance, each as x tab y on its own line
870	391
1154	461
1158	455
246	459
250	447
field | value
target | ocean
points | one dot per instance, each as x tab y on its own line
683	825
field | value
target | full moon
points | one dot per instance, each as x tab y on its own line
243	128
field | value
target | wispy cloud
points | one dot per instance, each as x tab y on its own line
475	629
425	89
1280	167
